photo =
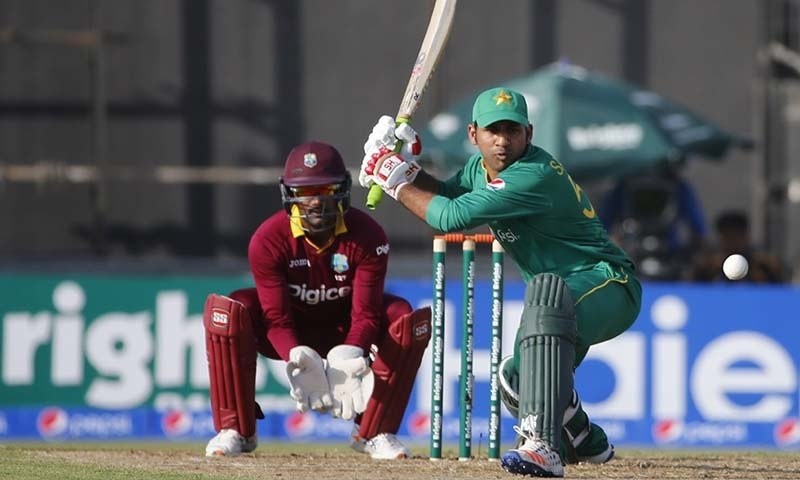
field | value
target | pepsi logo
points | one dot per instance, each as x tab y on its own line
51	422
299	424
176	422
787	432
665	431
419	424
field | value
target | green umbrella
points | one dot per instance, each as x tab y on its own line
598	127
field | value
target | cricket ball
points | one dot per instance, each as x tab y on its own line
735	267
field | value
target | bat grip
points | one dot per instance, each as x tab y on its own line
375	194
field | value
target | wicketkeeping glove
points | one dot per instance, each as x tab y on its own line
307	379
351	380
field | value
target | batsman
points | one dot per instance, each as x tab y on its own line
351	349
580	288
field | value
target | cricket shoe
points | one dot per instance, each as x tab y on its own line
595	448
228	443
533	457
384	446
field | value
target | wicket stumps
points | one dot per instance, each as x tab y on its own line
466	378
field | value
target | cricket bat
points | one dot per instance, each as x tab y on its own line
429	53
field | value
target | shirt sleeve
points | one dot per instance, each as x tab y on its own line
273	294
455	186
368	284
522	194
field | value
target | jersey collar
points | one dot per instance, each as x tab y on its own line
297	229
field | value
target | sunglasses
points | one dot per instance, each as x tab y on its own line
314	190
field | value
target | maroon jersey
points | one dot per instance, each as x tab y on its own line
338	289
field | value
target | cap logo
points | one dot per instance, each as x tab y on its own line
310	160
502	97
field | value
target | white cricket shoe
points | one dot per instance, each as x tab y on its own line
384	446
533	456
228	443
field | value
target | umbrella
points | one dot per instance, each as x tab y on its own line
597	126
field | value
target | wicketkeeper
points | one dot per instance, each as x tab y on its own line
318	304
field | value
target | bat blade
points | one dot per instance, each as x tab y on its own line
428	57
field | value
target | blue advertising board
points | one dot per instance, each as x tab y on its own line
703	365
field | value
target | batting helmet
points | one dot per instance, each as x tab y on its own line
315	164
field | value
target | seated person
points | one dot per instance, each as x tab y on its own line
733	232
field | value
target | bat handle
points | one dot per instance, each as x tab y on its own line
375	194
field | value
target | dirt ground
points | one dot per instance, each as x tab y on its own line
339	464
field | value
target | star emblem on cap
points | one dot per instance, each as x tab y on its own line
502	97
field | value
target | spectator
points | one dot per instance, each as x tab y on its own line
658	219
733	236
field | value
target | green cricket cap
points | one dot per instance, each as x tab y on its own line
498	104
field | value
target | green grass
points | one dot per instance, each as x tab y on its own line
160	460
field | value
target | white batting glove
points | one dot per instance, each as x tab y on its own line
384	136
386	132
307	379
389	171
351	381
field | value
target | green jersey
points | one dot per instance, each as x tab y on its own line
535	210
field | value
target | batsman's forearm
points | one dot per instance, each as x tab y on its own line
427	182
415	199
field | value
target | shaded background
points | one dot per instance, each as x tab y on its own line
127	87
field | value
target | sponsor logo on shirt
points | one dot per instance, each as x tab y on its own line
382	249
299	262
313	296
496	184
339	263
506	236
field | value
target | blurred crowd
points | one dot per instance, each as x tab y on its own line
659	220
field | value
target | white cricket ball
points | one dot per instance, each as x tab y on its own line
735	267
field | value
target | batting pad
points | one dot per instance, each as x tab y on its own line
231	356
395	369
546	339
